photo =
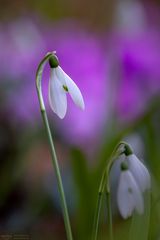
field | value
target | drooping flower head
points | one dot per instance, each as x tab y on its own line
134	180
59	85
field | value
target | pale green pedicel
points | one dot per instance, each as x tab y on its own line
52	148
105	187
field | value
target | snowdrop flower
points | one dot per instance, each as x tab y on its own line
129	196
59	85
134	180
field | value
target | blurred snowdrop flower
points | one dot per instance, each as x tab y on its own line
134	180
59	85
129	196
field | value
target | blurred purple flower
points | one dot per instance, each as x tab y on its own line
137	59
135	49
140	63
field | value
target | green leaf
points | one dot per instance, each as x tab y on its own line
84	192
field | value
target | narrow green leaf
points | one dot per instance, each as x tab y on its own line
84	192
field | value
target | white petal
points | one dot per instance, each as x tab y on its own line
138	199
129	196
57	95
139	172
60	74
72	88
124	200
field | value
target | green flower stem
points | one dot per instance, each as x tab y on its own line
115	154
52	148
97	215
58	175
109	211
98	208
105	184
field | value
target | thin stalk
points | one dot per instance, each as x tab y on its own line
109	211
97	216
52	148
58	176
105	183
98	207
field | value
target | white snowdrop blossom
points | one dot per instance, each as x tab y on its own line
129	196
59	85
139	172
134	181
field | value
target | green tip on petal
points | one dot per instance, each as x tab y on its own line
124	166
65	88
53	61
